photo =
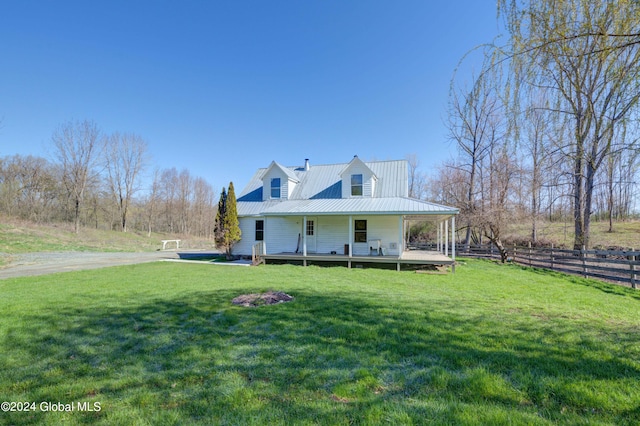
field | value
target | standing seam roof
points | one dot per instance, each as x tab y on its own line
319	191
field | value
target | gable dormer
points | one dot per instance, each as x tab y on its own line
278	182
358	180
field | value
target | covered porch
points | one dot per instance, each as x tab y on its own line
389	251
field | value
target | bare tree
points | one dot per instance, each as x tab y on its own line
152	201
417	180
495	210
185	196
124	160
472	126
203	215
29	188
569	48
169	196
77	147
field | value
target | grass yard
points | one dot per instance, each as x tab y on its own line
626	234
161	343
24	237
18	237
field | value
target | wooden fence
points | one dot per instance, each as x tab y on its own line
618	266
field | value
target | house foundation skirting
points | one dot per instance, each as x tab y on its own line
413	257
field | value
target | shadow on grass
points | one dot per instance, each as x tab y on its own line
322	358
609	288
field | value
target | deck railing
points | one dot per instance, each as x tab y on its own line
257	251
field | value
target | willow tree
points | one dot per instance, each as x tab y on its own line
585	54
478	127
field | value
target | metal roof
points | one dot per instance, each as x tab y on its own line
369	206
286	170
319	192
324	181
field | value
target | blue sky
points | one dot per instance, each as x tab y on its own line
223	88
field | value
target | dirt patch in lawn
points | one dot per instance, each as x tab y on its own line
261	299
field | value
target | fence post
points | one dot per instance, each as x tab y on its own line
632	265
515	253
552	256
583	254
529	254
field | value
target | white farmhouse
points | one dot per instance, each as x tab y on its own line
354	212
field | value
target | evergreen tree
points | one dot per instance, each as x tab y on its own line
218	230
231	224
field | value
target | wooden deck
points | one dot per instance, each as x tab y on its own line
411	257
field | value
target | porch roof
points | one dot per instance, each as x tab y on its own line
347	206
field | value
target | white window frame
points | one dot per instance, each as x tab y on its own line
261	231
357	185
359	232
277	187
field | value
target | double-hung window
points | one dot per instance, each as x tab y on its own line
360	231
275	188
356	185
259	230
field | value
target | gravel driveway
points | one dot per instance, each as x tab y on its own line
48	263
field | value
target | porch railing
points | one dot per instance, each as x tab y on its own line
257	251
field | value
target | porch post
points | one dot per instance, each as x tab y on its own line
304	240
441	238
304	236
453	238
350	240
407	232
438	237
446	238
401	235
265	232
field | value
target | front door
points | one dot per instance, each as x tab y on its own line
311	233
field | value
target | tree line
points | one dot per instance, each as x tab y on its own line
548	127
98	180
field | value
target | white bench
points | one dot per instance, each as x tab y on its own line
164	243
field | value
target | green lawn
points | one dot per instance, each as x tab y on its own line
28	237
626	234
17	237
162	344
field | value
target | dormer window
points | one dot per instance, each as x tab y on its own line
356	185
275	188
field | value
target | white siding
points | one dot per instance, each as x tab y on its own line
368	186
288	187
383	228
332	233
286	184
248	229
271	174
281	234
